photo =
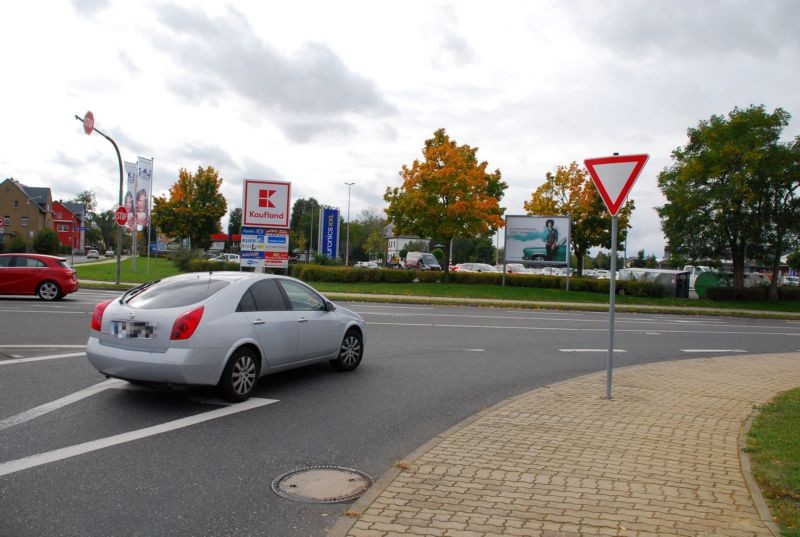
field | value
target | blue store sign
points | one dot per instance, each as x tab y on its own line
329	233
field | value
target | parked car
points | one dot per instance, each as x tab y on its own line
791	280
513	268
475	267
422	261
225	329
92	254
46	276
229	258
109	253
367	264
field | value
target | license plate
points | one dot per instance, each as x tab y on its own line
134	329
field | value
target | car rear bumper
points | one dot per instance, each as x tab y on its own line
175	366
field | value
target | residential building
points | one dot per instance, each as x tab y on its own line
67	218
25	211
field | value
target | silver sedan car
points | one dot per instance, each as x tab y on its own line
221	328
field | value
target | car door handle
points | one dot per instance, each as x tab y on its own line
302	320
259	321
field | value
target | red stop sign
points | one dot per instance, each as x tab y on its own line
88	122
121	216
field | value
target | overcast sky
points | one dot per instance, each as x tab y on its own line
319	93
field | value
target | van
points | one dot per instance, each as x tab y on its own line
422	261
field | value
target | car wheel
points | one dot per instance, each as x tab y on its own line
241	375
48	290
350	352
538	258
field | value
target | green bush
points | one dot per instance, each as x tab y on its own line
789	292
729	293
182	258
641	289
198	264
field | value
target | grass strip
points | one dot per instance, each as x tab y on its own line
774	447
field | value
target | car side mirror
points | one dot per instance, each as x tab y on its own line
330	306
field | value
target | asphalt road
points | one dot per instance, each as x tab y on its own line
80	455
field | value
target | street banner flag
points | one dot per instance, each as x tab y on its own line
144	191
129	202
614	177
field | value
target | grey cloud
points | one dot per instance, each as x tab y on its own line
89	7
127	63
306	94
694	29
450	43
206	155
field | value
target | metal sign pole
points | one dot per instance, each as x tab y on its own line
612	302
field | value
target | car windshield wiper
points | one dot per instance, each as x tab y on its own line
128	295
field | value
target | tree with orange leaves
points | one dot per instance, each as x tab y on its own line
194	208
570	192
449	194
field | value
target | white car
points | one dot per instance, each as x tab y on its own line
475	267
230	258
224	329
92	254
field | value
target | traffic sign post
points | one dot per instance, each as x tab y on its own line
121	216
614	177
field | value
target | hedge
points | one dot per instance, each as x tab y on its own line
321	273
729	293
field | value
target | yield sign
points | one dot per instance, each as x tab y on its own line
614	177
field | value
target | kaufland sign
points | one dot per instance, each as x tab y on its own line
266	204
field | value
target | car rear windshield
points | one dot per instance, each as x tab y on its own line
177	294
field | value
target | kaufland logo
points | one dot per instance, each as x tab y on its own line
264	198
266	203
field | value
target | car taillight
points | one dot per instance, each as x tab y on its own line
97	316
186	324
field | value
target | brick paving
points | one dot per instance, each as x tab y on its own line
661	458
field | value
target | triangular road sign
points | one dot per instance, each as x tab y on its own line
614	177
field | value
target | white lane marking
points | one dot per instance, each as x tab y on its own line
28	415
591	350
547	318
361	305
43	346
653	334
711	350
58	312
471	350
40	358
39	459
601	329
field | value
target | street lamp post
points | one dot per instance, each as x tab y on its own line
347	243
88	127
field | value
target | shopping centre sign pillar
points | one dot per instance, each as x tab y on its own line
614	176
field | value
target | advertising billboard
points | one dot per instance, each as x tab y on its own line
266	204
537	239
264	247
329	232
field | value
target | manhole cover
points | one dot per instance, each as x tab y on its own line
322	484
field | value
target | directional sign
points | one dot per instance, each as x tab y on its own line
121	216
614	177
82	228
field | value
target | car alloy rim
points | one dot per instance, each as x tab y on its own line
49	291
244	375
351	350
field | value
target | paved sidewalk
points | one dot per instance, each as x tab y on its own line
663	457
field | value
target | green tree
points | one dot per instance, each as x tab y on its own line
732	189
793	260
640	261
234	224
194	207
570	192
375	245
46	242
304	225
89	201
449	194
107	226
